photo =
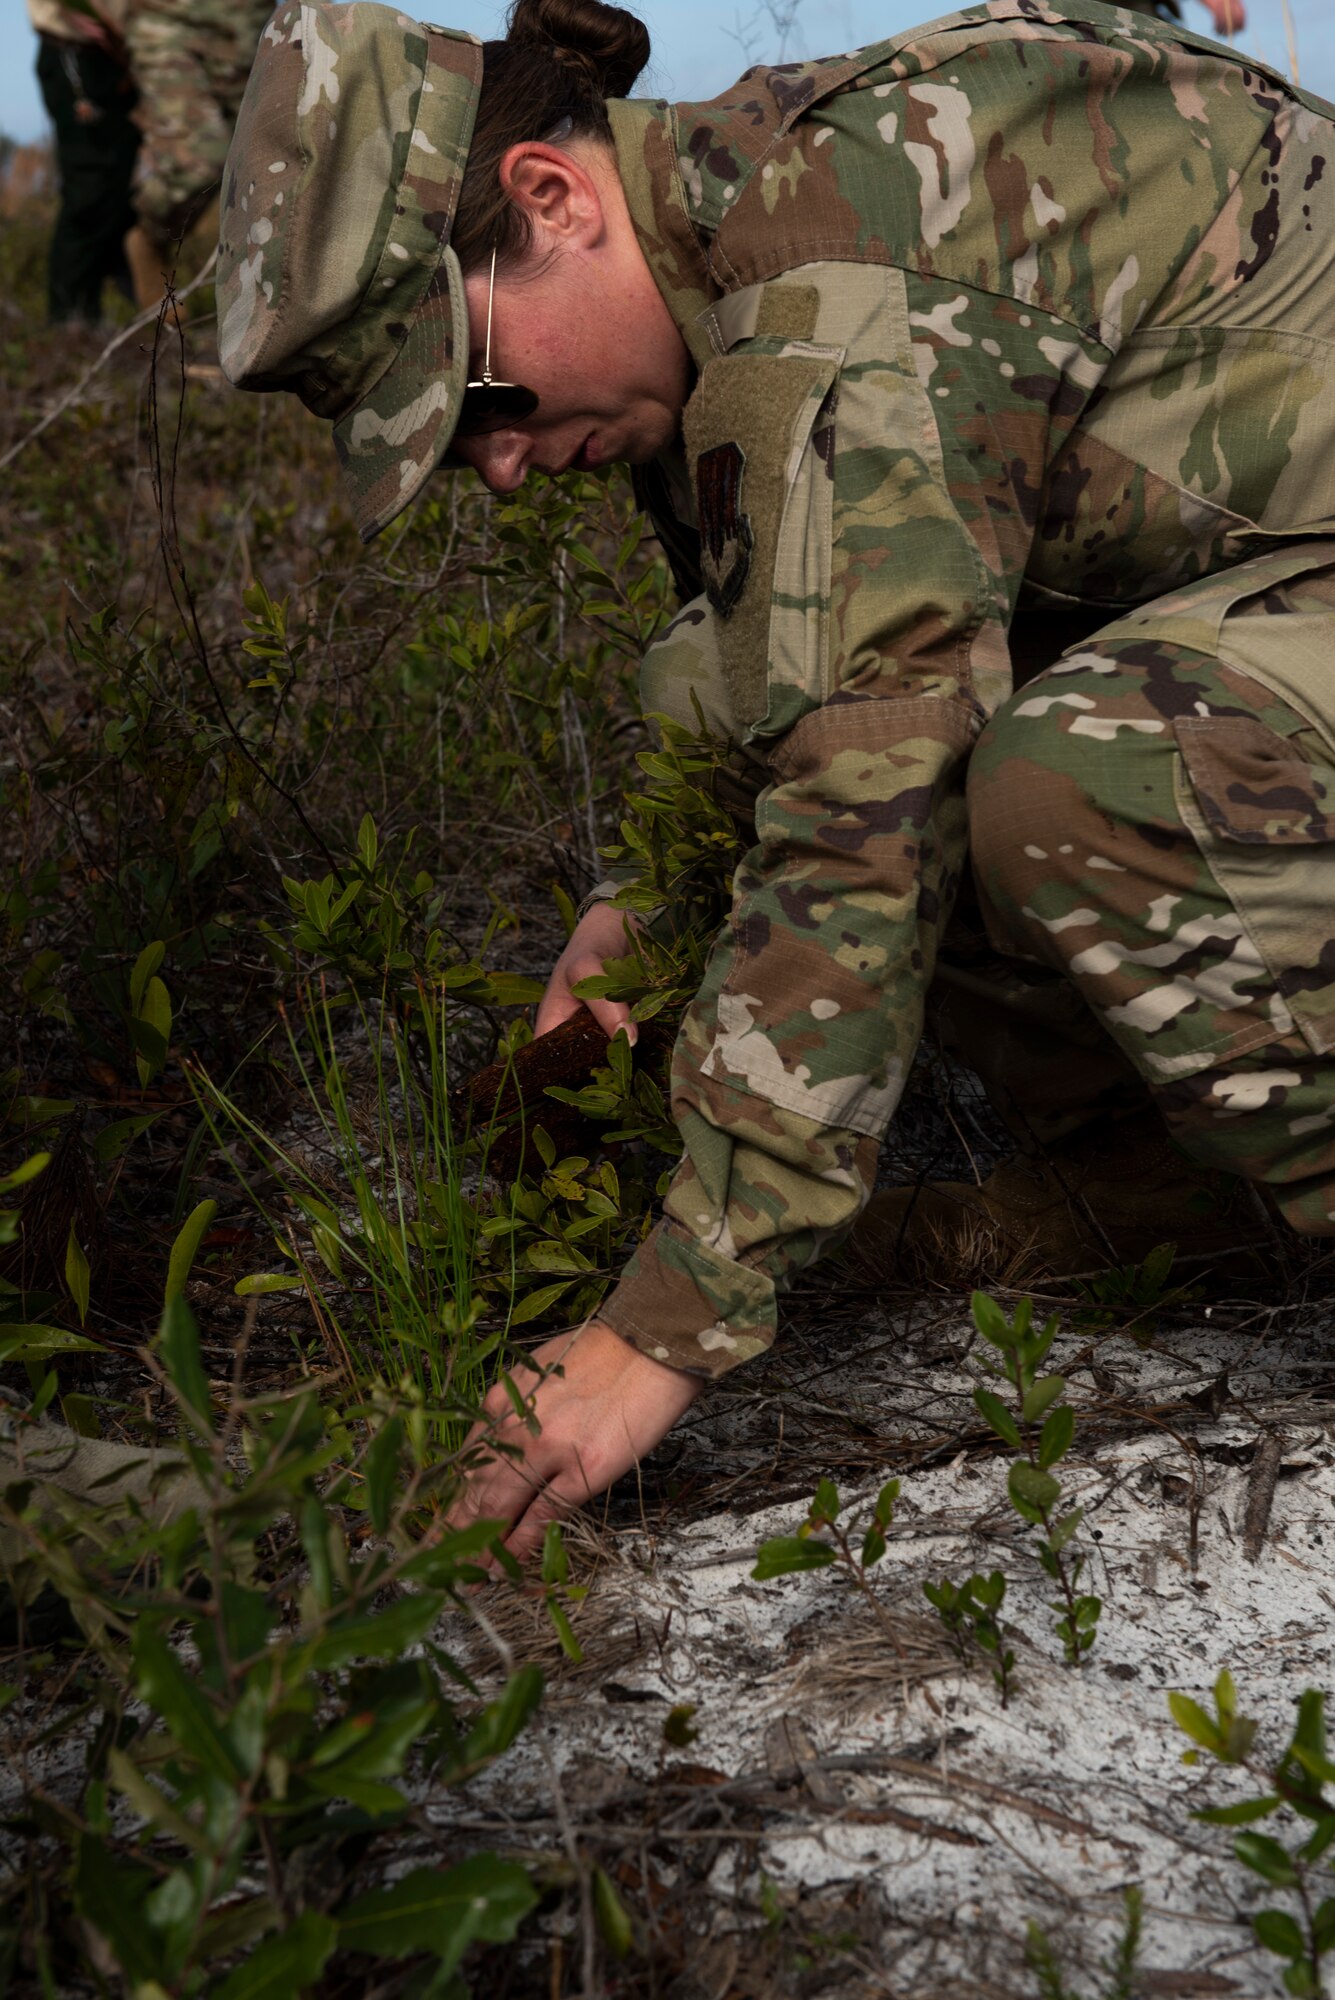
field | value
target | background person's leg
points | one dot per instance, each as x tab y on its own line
1153	823
96	144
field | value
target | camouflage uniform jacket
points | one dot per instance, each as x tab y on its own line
190	59
83	23
1035	297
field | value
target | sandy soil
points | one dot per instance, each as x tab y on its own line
859	1820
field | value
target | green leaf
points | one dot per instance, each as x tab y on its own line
1032	1490
885	1503
439	1564
36	1164
994	1412
77	1275
514	989
114	1139
1265	1857
374	1739
501	1721
260	1282
991	1321
151	1804
678	1730
555	1562
873	1545
1041	1398
483	1899
613	1917
1309	1737
247	1619
787	1554
186	1248
379	1635
1241	1814
564	1630
1154	1271
154	1014
1055	1438
548	1256
35	1343
1279	1933
285	1965
1063	1530
1192	1719
110	1898
535	1303
80	1413
382	1471
824	1509
328	1247
178	1346
181	1703
147	963
989	1591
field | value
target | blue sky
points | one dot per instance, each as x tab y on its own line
700	46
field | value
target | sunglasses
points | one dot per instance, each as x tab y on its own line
489	405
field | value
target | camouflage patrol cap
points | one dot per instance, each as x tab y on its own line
335	276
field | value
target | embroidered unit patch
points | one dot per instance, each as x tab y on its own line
726	540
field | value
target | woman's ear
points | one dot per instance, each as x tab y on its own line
557	194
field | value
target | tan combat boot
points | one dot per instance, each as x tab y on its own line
1101	1199
148	263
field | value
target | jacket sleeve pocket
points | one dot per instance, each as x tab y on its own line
1263	816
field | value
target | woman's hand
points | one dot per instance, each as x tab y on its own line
600	934
606	1409
1229	16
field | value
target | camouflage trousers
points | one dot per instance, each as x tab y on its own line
1152	829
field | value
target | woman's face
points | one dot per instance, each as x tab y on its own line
583	325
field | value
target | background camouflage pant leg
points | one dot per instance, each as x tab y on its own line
1153	823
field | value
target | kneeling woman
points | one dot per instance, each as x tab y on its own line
999	345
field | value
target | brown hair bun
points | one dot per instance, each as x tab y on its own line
610	43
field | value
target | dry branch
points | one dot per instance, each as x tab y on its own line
1261	1494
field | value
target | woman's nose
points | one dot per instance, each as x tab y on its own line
501	460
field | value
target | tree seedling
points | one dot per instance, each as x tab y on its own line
807	1549
1304	1940
1041	1428
1134	1294
971	1613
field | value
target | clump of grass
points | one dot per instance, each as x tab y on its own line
370	1211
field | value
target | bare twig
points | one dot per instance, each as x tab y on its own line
1261	1494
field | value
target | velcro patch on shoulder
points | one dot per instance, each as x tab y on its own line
788	312
775	310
